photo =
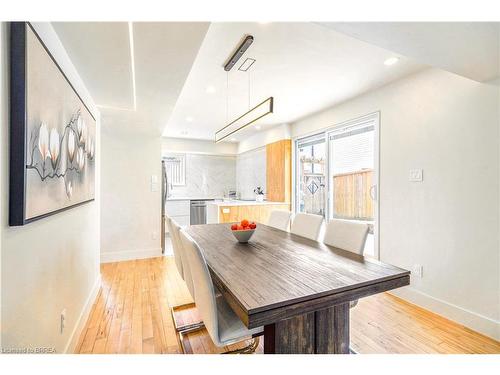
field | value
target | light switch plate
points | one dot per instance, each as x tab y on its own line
416	175
226	211
154	179
154	187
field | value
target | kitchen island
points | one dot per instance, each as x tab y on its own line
237	210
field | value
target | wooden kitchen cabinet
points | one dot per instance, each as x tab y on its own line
257	213
279	171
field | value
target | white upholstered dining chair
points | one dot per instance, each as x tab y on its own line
184	270
279	219
346	235
175	247
177	244
222	324
307	225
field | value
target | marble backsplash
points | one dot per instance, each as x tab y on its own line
251	172
207	176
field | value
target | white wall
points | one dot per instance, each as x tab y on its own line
251	172
131	212
263	138
197	146
207	176
251	160
248	171
259	139
448	126
51	264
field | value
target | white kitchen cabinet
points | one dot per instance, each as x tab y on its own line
182	220
179	210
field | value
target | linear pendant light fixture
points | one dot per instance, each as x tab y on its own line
246	119
238	53
252	115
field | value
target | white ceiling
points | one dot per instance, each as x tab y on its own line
105	70
163	55
304	66
470	49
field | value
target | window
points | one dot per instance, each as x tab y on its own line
310	173
175	165
353	175
351	163
336	174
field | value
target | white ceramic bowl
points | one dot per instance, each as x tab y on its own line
243	235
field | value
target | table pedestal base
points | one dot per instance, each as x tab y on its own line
319	332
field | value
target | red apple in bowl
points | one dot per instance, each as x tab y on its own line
243	231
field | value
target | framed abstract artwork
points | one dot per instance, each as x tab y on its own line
52	133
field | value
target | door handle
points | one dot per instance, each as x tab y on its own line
373	192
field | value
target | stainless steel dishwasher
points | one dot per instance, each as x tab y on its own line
198	212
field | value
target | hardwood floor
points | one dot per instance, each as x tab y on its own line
132	315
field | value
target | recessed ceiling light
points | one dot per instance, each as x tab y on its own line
210	90
391	61
258	127
189	119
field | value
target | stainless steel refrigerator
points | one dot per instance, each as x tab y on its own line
164	194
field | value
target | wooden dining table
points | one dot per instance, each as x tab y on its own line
298	289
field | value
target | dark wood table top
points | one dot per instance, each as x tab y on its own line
279	274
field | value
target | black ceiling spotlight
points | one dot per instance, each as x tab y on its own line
239	52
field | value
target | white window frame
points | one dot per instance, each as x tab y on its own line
181	181
371	117
295	161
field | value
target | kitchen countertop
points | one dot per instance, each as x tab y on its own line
194	198
243	203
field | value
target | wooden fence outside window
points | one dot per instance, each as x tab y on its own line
352	195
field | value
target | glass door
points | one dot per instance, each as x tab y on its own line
310	175
353	175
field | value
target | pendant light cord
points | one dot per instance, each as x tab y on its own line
248	90
227	96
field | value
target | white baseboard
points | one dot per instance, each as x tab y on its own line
477	322
117	256
82	319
